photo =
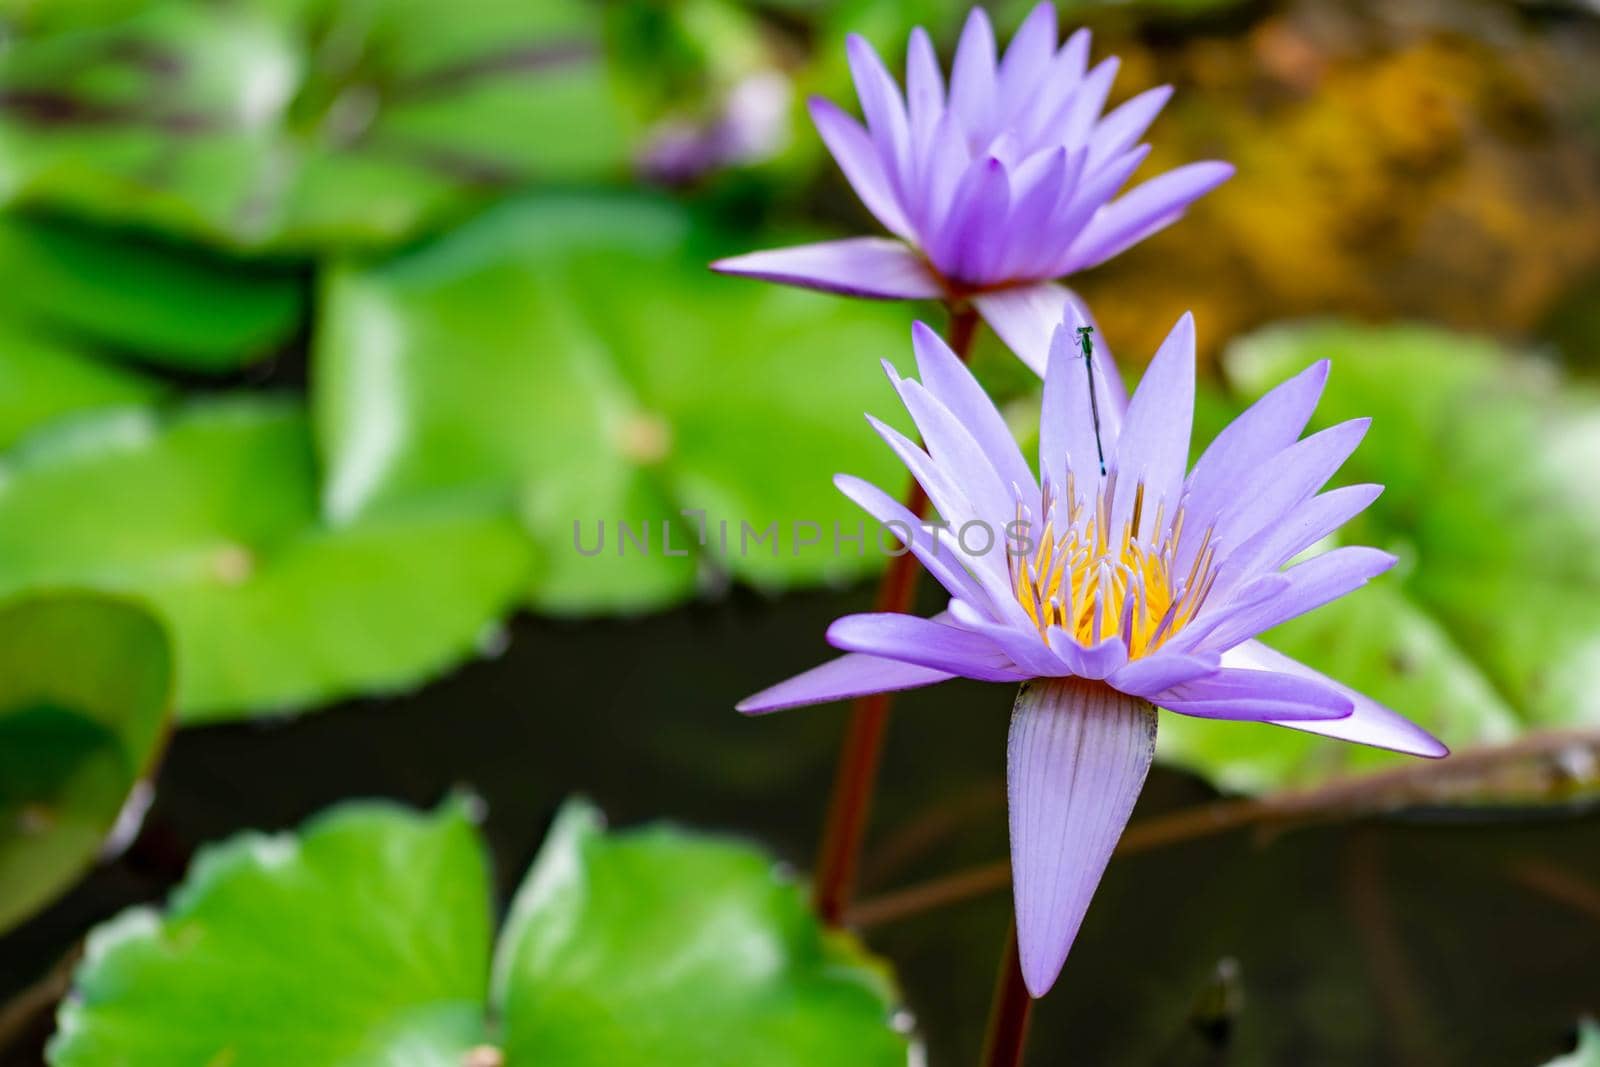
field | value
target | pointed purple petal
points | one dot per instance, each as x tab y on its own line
1280	542
1029	53
947	378
1160	671
858	158
873	267
841	679
952	447
972	74
1075	763
1026	317
1311	584
1118	131
1067	416
924	643
1096	662
1266	428
883	107
1142	211
1370	724
934	549
1153	449
1256	696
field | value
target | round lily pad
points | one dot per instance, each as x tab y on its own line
365	938
572	357
211	515
85	699
44	377
302	124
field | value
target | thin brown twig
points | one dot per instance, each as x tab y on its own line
22	1010
1366	794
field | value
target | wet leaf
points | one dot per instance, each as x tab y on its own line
153	301
212	515
654	946
572	357
85	696
303	124
363	939
1490	625
43	377
660	946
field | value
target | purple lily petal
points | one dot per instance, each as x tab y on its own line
1256	696
1066	424
1276	544
948	498
1026	319
1157	673
1278	487
1029	55
972	75
1076	760
852	148
1119	130
932	547
924	643
1014	633
1369	724
1095	662
1267	427
925	101
954	449
873	267
843	678
1311	585
1145	209
946	377
882	105
1153	449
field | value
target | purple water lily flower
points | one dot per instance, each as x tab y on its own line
993	188
1108	590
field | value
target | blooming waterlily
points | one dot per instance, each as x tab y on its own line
1110	585
992	188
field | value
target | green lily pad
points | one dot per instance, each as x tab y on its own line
43	377
163	305
302	124
659	947
211	515
1587	1054
1490	626
656	946
85	695
571	356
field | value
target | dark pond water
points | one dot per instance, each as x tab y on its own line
1410	940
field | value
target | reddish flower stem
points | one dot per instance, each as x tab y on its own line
1009	1013
856	772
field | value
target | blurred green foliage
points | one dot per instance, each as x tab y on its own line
654	946
85	704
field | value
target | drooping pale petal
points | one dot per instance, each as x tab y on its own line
841	679
1255	695
1370	723
877	268
924	643
1026	319
1311	584
1142	211
1153	449
852	148
1076	760
948	378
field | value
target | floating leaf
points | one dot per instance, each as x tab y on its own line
572	356
85	694
362	940
1491	624
653	946
1587	1054
166	306
659	947
212	516
43	378
303	124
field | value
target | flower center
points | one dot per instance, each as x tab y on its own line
1095	582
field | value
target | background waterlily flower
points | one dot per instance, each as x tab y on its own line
993	187
1108	590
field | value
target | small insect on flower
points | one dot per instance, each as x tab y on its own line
1121	584
993	186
